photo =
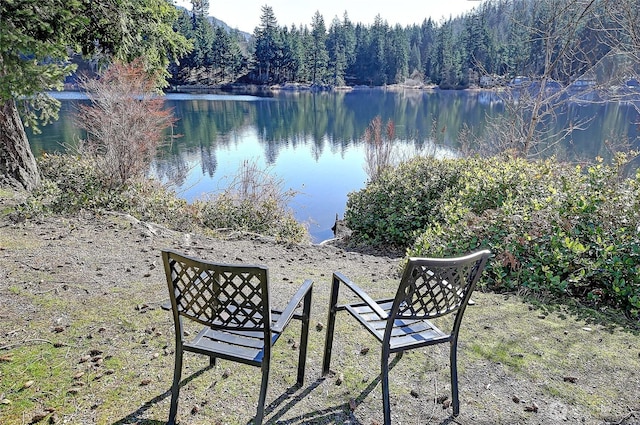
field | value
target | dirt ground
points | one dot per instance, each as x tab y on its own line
83	341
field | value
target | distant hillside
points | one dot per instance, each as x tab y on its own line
220	23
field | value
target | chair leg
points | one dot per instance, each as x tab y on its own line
304	338
384	378
454	378
212	361
331	322
263	393
175	387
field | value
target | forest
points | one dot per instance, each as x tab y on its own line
564	41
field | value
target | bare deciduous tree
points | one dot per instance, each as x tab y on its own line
378	147
565	65
125	122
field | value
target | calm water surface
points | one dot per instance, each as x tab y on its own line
313	141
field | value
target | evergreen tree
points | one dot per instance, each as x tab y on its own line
199	9
337	53
267	43
397	57
377	51
427	49
319	56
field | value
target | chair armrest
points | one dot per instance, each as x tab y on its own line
362	295
287	314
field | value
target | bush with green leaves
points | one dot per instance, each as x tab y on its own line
555	229
73	183
253	202
400	202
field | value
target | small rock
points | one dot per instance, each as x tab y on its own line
364	350
340	379
319	326
27	384
571	379
145	382
531	408
515	399
415	394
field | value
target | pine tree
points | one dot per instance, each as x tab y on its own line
319	57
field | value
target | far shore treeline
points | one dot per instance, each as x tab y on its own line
491	45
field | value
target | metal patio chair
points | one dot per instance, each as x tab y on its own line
232	302
429	288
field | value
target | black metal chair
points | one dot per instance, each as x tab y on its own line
232	302
429	288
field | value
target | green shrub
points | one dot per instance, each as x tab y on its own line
253	202
400	202
554	229
73	183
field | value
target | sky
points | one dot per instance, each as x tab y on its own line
245	14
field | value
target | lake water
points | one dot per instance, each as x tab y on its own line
312	141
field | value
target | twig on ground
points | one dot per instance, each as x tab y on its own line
25	341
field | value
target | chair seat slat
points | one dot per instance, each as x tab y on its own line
413	338
230	352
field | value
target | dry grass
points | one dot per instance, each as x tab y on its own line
83	341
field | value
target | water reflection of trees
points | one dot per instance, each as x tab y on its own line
337	121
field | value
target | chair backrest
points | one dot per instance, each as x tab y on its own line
434	287
222	296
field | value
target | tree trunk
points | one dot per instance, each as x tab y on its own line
17	164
